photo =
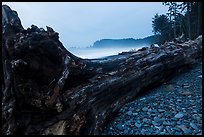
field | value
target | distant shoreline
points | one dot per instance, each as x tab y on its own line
98	53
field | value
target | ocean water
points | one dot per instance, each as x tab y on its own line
93	53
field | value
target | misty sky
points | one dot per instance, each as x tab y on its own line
80	24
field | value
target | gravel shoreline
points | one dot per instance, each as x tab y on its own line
174	108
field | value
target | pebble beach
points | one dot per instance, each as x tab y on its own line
174	108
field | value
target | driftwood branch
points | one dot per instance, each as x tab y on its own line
48	90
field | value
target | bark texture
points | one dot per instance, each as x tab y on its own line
48	90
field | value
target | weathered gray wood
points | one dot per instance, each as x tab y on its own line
48	90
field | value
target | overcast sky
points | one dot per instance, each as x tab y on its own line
80	24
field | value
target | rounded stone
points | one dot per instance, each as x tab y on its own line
120	126
126	131
129	113
138	125
145	109
179	115
193	126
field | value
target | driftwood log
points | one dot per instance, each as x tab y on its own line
48	90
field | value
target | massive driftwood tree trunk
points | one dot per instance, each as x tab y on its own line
48	90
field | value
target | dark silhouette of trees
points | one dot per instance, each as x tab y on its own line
196	19
162	26
199	29
180	25
186	7
173	12
183	18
